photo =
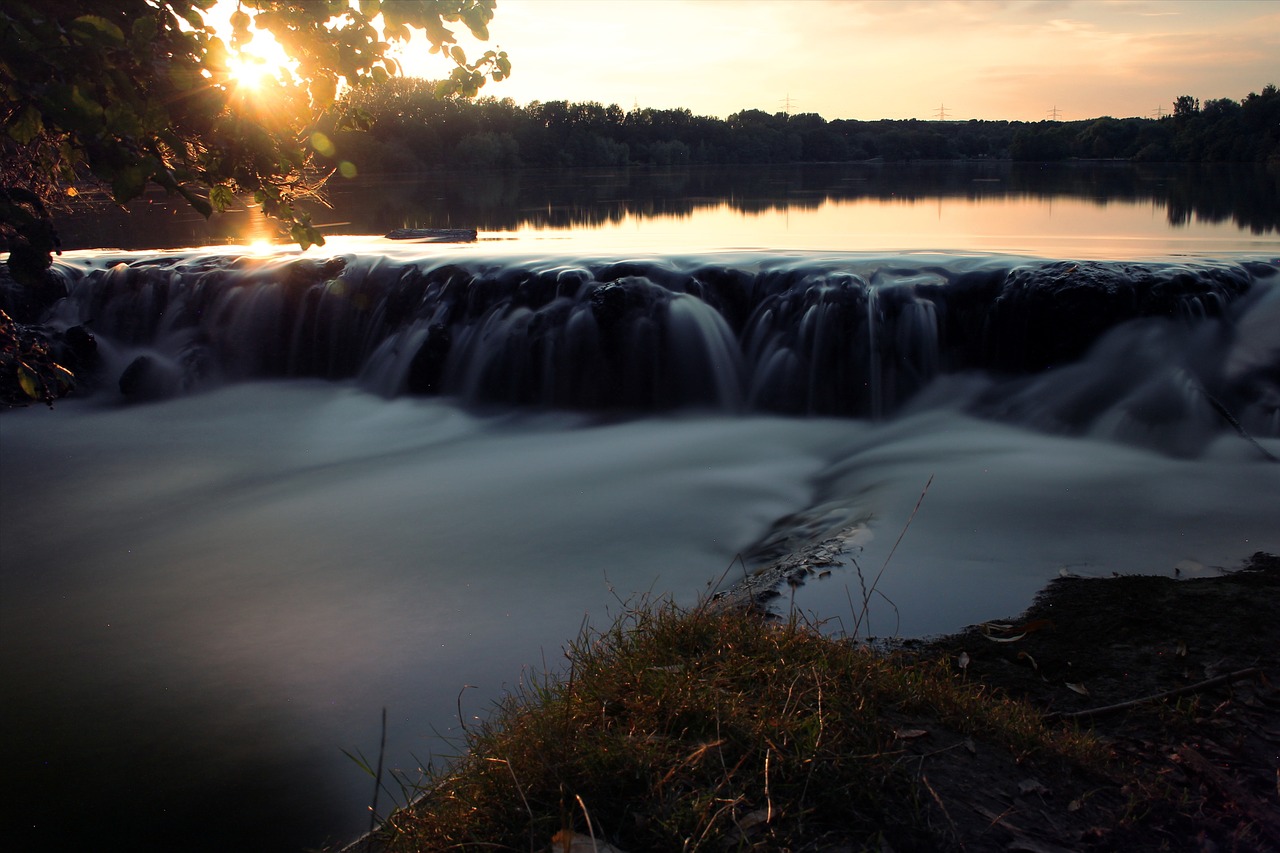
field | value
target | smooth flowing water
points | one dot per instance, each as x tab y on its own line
207	599
307	489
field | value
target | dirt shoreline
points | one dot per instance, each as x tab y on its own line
1200	767
1196	770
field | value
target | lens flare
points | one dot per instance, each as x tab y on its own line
250	72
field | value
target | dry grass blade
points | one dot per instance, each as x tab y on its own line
869	592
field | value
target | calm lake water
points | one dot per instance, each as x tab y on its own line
405	483
1086	210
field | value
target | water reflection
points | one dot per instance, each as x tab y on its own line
1222	207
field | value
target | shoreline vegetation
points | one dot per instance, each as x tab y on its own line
1132	712
407	126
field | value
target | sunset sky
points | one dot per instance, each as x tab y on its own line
985	59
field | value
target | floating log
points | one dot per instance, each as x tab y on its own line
434	235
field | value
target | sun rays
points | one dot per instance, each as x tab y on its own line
251	73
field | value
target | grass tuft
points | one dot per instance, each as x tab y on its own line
699	729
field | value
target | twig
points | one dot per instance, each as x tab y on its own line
1190	688
1231	419
866	595
713	587
955	833
746	580
377	778
462	720
910	518
768	797
866	602
591	830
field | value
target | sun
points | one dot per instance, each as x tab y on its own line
250	72
259	64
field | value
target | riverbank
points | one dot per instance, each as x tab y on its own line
1133	712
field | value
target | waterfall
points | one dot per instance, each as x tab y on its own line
1065	346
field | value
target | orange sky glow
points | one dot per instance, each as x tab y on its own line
870	59
985	59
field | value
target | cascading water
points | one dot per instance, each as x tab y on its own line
822	336
368	481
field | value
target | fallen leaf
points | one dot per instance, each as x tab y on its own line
1079	688
1031	786
1030	659
1075	806
909	734
1012	639
1182	649
748	825
27	380
964	660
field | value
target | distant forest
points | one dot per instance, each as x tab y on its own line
408	127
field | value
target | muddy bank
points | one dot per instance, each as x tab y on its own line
1198	769
1178	676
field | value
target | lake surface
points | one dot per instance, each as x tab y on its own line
405	479
1088	210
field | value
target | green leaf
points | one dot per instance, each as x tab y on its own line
370	8
323	90
216	55
305	235
221	197
128	183
354	119
122	120
183	78
27	126
88	28
28	381
201	205
477	19
437	33
66	107
143	30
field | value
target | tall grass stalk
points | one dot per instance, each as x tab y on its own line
863	614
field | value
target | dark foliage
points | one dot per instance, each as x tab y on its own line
414	127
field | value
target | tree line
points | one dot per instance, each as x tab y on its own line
408	126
